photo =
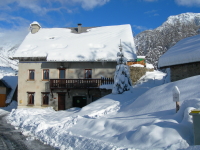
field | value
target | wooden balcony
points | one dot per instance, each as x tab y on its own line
79	83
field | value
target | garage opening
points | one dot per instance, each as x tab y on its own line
79	101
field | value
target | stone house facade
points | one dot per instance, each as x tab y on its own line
183	71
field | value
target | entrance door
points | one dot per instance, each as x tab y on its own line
61	101
79	101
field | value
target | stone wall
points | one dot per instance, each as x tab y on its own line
183	71
137	72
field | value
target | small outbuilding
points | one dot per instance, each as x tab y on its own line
4	91
8	90
183	59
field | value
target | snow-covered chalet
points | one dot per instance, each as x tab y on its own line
183	59
66	67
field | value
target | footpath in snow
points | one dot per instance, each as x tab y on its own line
143	119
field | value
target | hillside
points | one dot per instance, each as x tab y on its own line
10	41
154	43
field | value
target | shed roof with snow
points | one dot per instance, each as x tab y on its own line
11	83
63	44
185	51
4	84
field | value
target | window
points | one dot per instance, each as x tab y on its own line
61	73
31	98
45	98
45	74
31	74
88	73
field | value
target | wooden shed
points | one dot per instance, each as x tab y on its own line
4	91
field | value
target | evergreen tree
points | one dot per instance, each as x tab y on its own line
122	81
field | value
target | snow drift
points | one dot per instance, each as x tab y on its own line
144	119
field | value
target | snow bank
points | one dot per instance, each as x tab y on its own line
137	65
144	119
149	66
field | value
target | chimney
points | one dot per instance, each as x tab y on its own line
34	27
79	27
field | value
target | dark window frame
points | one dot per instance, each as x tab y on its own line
60	74
88	76
45	98
31	73
31	97
45	74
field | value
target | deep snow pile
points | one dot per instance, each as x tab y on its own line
144	119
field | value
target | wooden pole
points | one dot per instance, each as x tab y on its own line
177	106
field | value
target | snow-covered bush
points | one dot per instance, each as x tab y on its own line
122	81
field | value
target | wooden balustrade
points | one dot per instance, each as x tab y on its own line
79	83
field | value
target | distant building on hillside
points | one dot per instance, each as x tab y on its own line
140	60
65	67
183	59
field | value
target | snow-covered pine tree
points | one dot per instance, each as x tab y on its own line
122	81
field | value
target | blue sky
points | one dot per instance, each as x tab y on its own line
140	14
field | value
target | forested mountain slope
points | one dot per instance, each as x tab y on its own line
154	43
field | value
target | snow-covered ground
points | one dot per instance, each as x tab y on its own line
143	119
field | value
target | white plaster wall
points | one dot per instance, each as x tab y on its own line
38	85
25	85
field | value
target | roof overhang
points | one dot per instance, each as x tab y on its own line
30	58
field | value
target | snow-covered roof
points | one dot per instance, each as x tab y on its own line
143	57
4	84
12	82
185	51
60	44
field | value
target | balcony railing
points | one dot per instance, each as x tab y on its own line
79	83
